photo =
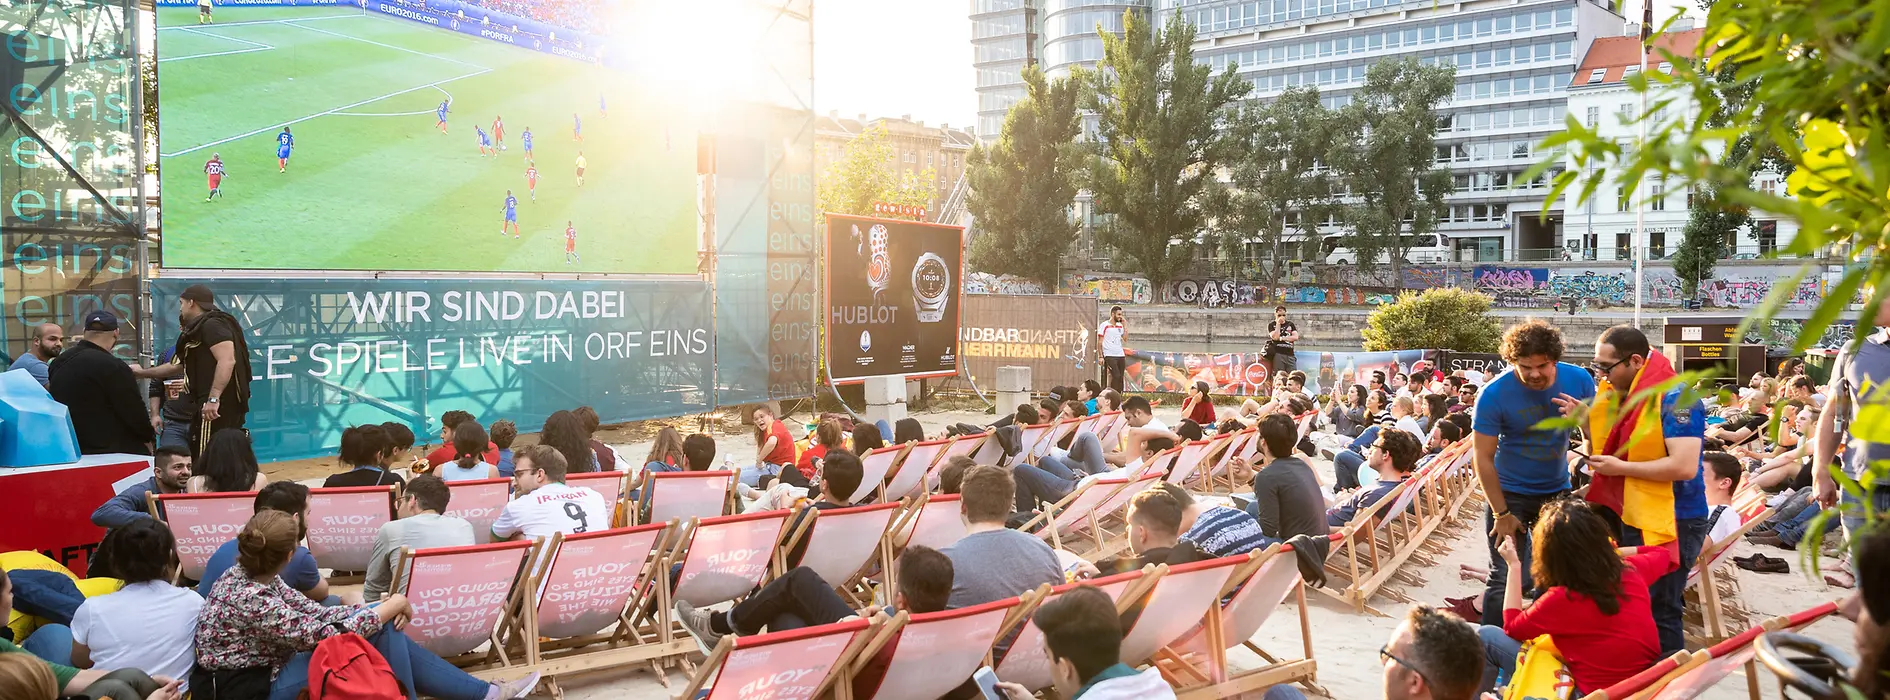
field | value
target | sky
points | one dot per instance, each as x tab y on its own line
886	58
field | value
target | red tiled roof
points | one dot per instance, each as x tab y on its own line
1615	53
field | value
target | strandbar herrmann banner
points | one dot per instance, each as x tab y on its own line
1052	334
1243	374
328	354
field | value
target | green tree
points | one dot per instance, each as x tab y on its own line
1022	187
1159	140
1389	159
1274	174
868	172
1711	220
1444	318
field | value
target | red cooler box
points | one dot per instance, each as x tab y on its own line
49	508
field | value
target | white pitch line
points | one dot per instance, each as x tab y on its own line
200	30
449	98
342	108
389	46
219	53
188	27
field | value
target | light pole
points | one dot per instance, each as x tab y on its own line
1640	206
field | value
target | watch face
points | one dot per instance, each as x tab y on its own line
930	279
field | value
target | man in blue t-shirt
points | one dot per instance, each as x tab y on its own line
1520	466
301	573
1619	355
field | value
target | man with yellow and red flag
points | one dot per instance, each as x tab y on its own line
1645	439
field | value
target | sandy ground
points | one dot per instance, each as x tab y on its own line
1344	642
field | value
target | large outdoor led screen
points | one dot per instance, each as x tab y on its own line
414	135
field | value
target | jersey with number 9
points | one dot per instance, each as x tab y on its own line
553	508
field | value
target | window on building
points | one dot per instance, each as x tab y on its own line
1692	192
1624	246
1594	117
1596	75
1657	197
1623	199
1768	185
1765	233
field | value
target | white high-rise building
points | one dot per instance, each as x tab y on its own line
1604	227
1514	61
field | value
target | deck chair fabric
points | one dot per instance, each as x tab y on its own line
459	594
202	522
913	472
841	542
983	448
938	524
478	502
1026	663
932	653
1736	651
1058	431
1029	437
875	466
728	556
1111	429
342	523
1193	455
685	495
590	578
608	484
793	665
1251	606
1072	514
1181	599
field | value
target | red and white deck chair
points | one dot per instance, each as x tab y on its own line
342	523
1058	431
875	466
590	582
1643	685
911	475
1187	465
608	484
933	521
800	664
478	502
463	596
1183	597
1089	424
1075	513
1242	445
1026	664
1197	665
1738	650
1109	429
200	523
842	544
1712	586
724	558
1028	438
1380	539
1108	523
983	448
934	652
683	495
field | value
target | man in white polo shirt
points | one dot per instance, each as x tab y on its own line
1109	338
543	503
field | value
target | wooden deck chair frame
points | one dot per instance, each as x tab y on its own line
1212	676
1726	651
1050	521
1225	567
1372	549
915	470
642	634
347	575
1108	522
155	504
1186	468
897	626
853	587
1058	430
1111	429
522	585
1028	437
1139	584
1222	473
646	491
481	534
872	485
862	630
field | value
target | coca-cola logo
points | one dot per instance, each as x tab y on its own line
1256	374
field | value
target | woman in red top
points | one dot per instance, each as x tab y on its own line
775	446
1594	601
827	436
1197	406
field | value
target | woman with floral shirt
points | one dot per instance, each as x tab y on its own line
254	621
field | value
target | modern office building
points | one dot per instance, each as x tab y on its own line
1604	227
1005	37
1514	61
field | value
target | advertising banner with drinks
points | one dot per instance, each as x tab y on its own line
1245	374
893	293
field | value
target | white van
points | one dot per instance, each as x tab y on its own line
1419	249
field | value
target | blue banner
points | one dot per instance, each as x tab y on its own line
457	16
329	354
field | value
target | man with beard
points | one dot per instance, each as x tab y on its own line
214	360
45	345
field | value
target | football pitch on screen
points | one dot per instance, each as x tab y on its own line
373	184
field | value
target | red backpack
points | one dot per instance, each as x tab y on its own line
347	667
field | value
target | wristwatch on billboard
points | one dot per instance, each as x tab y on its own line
931	279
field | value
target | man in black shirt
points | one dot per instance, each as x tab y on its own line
1281	334
1286	494
100	392
214	360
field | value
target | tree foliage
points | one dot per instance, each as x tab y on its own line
1711	220
1445	318
867	172
1272	175
1388	160
1158	141
1022	187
